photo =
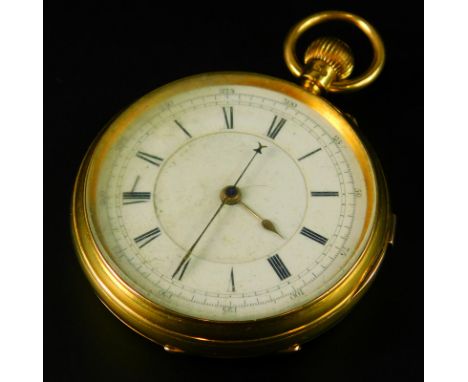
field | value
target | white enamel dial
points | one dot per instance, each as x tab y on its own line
288	232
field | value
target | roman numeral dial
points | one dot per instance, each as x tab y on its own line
231	280
153	159
278	266
134	197
309	154
183	129
275	127
324	193
229	117
147	237
314	236
229	203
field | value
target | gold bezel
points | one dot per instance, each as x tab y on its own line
215	338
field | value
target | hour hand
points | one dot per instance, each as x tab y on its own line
267	224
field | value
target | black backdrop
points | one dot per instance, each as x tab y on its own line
99	58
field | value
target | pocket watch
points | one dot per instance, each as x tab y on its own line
236	214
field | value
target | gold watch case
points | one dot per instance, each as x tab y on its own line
284	332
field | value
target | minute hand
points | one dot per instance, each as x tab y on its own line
189	252
258	150
184	260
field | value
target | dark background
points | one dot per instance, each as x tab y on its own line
99	58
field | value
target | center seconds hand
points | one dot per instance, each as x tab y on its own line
189	252
258	150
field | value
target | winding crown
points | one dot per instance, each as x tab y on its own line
326	59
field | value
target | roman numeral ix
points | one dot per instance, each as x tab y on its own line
279	267
133	197
147	237
275	127
314	236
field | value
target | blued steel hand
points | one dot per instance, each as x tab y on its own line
267	224
258	150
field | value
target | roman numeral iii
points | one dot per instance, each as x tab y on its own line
324	193
275	127
314	236
279	267
147	237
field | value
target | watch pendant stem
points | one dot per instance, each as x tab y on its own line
326	60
